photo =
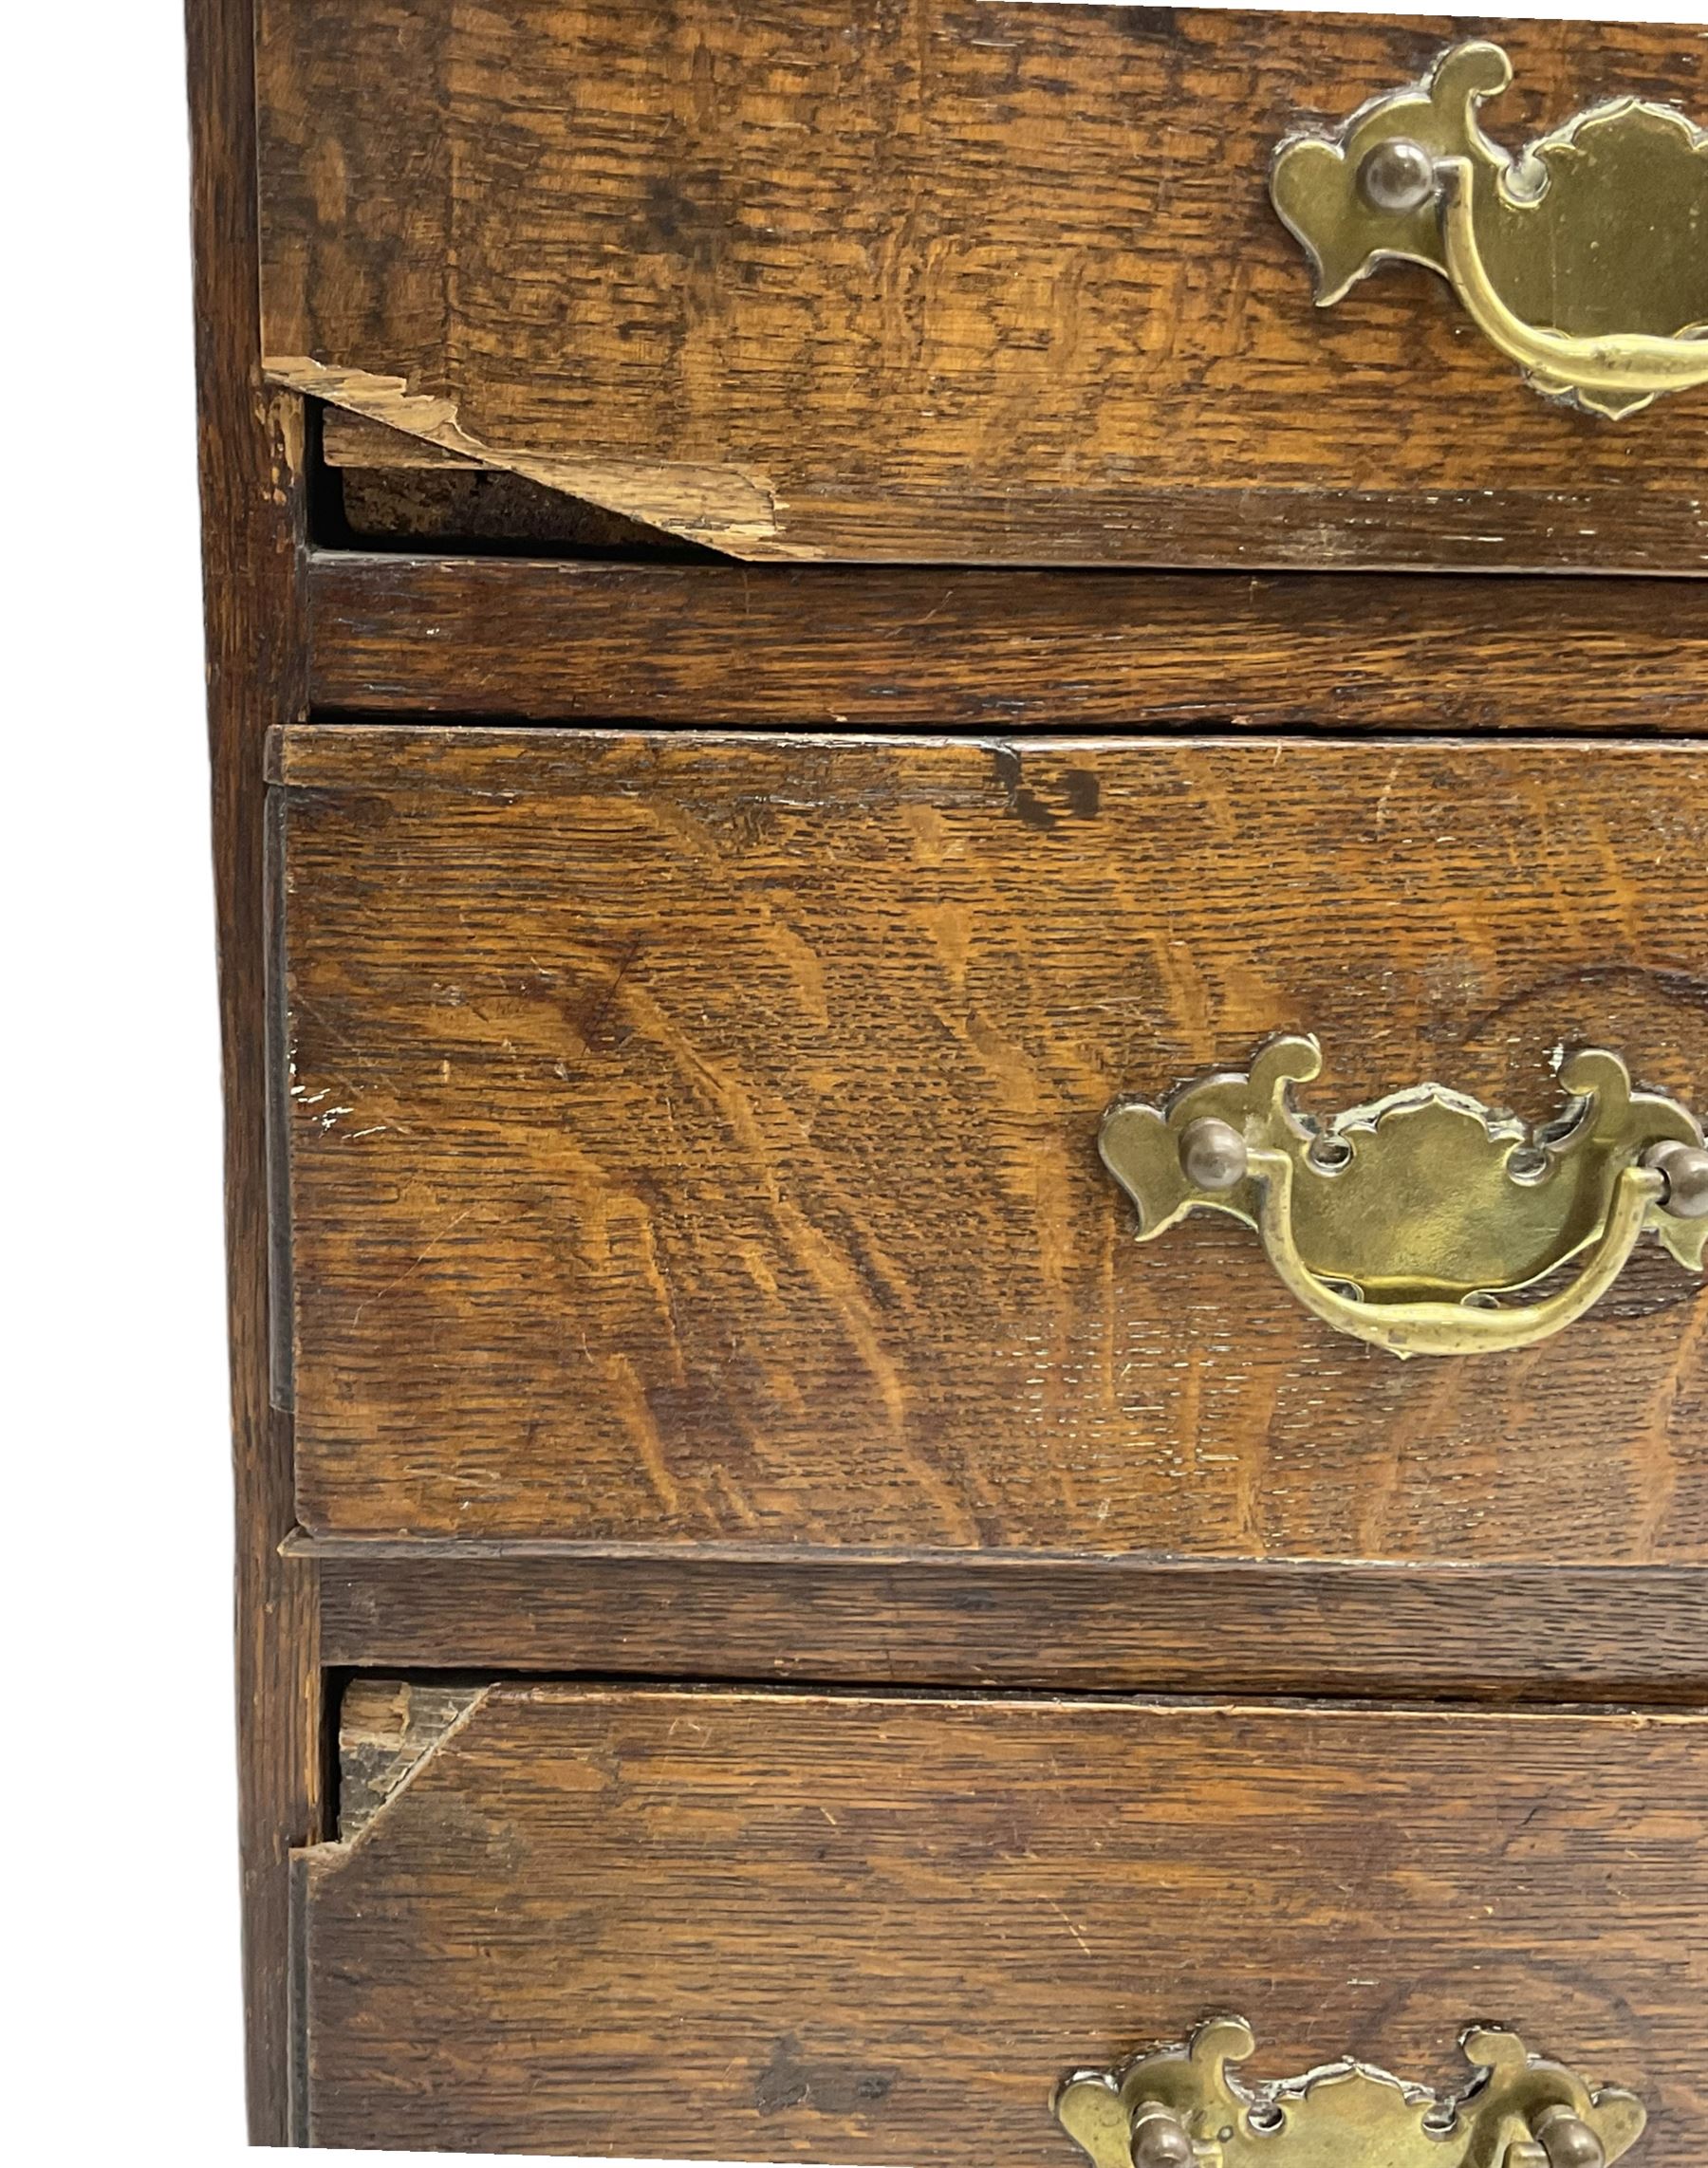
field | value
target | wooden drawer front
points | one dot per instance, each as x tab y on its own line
756	1926
941	279
693	1139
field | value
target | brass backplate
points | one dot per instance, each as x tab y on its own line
1585	257
1425	1222
1518	2110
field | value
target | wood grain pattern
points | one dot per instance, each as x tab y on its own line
1485	1634
881	648
931	279
253	515
775	1926
694	1137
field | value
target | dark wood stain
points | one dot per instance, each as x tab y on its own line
829	2088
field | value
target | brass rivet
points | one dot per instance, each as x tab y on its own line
1686	1168
1397	177
1568	2142
1160	2141
1329	1153
1213	1154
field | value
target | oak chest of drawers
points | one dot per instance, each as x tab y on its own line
964	883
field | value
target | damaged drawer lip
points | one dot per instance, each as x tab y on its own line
1025	300
612	1918
694	1136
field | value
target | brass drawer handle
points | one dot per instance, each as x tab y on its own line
1411	176
1181	2108
1412	1222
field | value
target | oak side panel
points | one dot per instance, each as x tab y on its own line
912	648
937	280
253	517
694	1137
1543	1633
779	1927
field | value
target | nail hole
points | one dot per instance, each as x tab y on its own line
1329	1155
1266	2118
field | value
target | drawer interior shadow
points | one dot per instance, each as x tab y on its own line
374	489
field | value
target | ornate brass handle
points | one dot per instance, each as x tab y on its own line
1181	2108
1416	1221
1585	260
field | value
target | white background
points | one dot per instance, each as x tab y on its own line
121	1927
